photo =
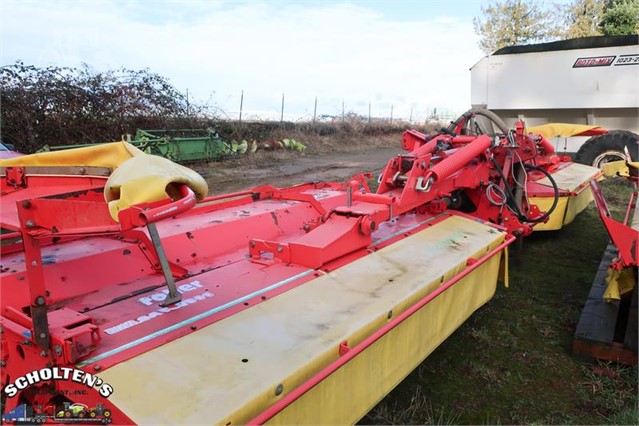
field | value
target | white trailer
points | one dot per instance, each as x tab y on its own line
591	80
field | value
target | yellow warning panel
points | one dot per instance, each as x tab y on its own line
233	370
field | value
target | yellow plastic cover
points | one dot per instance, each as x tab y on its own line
619	282
551	130
615	168
105	155
136	178
619	168
147	178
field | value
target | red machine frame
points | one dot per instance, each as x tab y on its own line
335	224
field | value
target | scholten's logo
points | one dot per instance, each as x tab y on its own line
58	373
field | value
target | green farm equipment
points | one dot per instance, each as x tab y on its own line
180	145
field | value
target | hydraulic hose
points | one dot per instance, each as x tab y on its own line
511	196
555	189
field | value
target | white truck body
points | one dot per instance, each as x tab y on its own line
592	81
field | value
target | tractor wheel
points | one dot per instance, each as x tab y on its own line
608	147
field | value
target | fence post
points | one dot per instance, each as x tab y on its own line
315	110
391	120
187	103
369	113
241	104
342	110
410	120
282	114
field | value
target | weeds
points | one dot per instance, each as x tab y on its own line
419	411
480	334
609	389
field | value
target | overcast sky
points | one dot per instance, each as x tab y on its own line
404	54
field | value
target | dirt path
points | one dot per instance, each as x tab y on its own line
286	169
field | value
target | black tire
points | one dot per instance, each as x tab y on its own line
599	150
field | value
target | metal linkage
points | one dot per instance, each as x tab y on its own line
174	295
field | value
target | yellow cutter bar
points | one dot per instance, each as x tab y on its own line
233	370
574	179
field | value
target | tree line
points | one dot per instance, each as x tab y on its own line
516	22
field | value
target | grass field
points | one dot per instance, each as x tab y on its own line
511	362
